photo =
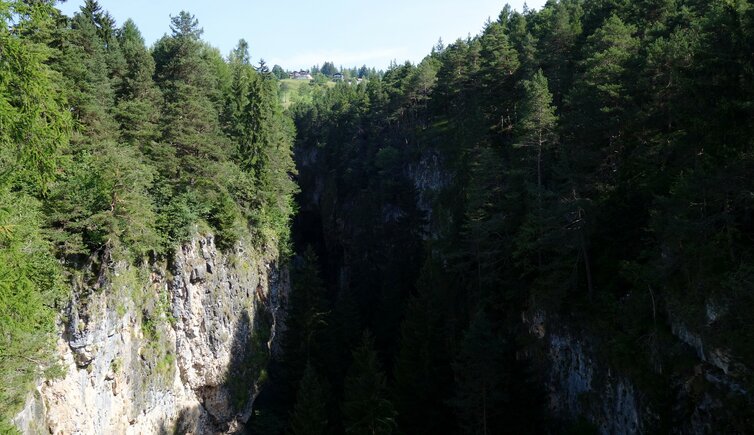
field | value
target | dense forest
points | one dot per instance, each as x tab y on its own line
581	170
110	151
589	163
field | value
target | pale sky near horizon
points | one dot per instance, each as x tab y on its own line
299	34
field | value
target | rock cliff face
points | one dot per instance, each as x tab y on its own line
180	346
701	393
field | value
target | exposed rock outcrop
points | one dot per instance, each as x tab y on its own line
165	347
582	386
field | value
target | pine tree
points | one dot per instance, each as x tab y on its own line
423	375
310	413
600	95
558	37
499	63
536	129
190	122
137	96
479	378
366	409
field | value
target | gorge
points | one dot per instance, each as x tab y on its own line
544	228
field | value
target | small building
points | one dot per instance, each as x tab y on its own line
337	76
300	75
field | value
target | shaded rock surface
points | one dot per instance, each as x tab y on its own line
582	386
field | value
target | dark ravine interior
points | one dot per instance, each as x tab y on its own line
544	228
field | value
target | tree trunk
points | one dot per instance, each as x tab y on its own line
539	201
587	263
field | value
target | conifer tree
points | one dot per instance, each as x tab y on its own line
34	123
137	96
479	378
423	375
238	98
84	65
499	63
600	95
308	316
536	138
190	122
536	130
310	413
366	409
558	37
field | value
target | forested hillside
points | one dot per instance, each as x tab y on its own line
570	188
544	228
110	152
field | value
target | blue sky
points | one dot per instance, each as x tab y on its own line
299	34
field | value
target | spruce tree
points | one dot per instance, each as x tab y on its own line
307	319
190	122
366	408
499	64
237	99
84	65
423	375
310	413
479	378
137	97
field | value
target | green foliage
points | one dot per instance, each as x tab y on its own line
31	291
110	150
34	122
103	200
478	378
423	376
310	413
366	408
590	160
137	97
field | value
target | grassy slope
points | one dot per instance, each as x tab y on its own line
291	91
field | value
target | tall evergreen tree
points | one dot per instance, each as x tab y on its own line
190	122
536	130
479	378
366	408
423	375
499	63
84	64
238	98
34	123
137	97
310	413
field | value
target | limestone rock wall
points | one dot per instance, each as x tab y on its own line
164	347
703	395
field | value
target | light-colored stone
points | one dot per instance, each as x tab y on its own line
112	386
